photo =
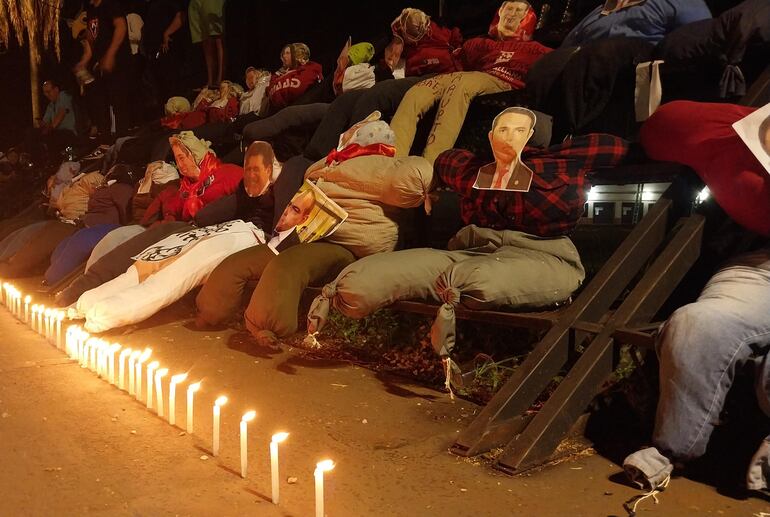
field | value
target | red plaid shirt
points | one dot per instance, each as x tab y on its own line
555	200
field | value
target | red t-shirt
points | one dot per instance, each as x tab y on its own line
284	89
700	135
508	60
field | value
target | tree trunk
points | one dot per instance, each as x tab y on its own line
34	83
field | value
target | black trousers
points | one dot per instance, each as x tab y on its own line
111	90
354	106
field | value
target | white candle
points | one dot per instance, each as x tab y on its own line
221	401
320	468
101	363
139	367
111	361
122	368
176	379
274	476
245	419
104	364
86	352
150	376
132	370
47	324
27	299
191	389
59	319
82	336
34	315
5	287
92	364
40	311
68	339
159	388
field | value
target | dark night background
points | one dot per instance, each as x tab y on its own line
255	32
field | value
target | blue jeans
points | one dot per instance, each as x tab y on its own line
700	348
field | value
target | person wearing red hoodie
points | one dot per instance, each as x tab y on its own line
285	88
204	180
425	46
491	64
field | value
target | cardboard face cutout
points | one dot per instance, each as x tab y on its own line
611	6
754	130
510	133
309	216
513	21
258	165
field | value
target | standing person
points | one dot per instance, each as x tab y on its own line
106	50
164	41
207	26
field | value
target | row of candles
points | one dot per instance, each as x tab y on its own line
106	359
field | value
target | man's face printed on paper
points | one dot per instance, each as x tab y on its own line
297	211
509	136
511	14
256	174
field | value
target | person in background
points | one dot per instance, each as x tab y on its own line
106	52
57	128
207	27
164	39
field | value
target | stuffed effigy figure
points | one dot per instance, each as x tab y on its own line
163	273
204	180
492	64
365	180
522	258
116	261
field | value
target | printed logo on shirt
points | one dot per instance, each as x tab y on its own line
93	27
292	82
504	57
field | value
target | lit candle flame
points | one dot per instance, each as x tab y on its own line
153	365
279	437
248	417
176	379
324	466
161	373
194	387
60	315
27	299
221	401
145	355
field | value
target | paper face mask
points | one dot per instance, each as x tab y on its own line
258	168
511	130
514	20
754	130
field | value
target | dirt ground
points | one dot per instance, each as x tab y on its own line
71	444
